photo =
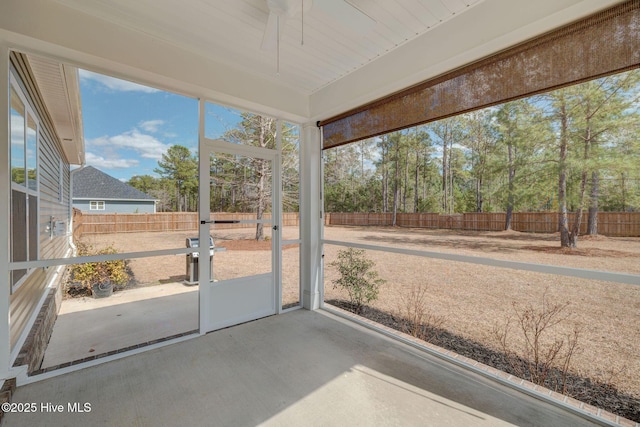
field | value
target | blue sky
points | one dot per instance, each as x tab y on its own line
127	126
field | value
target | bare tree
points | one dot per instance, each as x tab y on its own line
536	351
258	131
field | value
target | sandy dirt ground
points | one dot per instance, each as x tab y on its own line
471	298
242	257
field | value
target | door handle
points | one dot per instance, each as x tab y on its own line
275	227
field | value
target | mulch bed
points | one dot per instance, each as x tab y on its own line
596	393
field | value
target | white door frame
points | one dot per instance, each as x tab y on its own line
247	298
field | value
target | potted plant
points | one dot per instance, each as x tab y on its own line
98	278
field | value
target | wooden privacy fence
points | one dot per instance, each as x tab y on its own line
77	223
615	224
108	223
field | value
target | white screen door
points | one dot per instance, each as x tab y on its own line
243	222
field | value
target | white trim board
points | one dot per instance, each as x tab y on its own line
630	279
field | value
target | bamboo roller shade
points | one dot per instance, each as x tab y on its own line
604	43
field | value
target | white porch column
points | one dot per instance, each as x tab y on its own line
5	188
310	208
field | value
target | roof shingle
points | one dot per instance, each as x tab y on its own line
91	183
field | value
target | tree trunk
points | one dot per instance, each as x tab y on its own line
623	184
262	172
362	154
452	205
508	218
395	185
567	238
477	167
385	181
385	191
511	185
178	198
262	196
445	178
415	183
575	230
479	199
592	222
406	182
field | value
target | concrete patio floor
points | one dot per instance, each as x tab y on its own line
299	368
87	327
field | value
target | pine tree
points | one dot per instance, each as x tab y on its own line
180	168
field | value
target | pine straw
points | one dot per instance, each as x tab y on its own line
597	393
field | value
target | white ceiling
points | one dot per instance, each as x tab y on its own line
211	48
233	30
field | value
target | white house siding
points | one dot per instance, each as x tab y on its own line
53	202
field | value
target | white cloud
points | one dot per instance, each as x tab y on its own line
146	145
102	163
115	84
17	130
151	125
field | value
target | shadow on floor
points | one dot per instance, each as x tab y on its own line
92	328
299	368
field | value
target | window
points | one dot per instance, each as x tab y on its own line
96	205
24	183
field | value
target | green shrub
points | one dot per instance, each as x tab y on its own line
357	277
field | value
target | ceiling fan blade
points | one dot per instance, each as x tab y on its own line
346	14
270	36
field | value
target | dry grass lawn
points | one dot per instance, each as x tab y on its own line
470	298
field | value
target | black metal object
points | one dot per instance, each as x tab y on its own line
220	221
192	259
